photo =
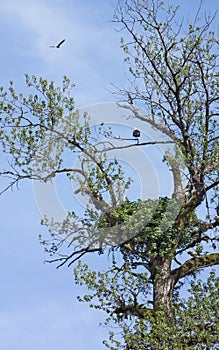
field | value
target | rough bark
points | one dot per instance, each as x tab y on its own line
163	283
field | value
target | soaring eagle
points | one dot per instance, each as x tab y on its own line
59	44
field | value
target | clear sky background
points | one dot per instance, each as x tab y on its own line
38	306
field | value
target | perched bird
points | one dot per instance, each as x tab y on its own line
136	133
59	44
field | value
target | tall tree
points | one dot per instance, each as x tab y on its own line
175	80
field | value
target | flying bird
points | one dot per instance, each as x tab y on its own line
58	45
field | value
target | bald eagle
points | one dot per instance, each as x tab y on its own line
59	44
136	133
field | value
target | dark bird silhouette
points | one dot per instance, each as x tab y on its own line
59	44
136	133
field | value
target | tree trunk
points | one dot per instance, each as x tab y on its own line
163	283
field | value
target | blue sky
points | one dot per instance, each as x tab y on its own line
38	308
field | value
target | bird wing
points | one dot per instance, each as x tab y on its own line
61	42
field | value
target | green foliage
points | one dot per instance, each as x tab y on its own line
28	125
121	214
155	239
156	235
174	77
193	325
112	288
37	132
